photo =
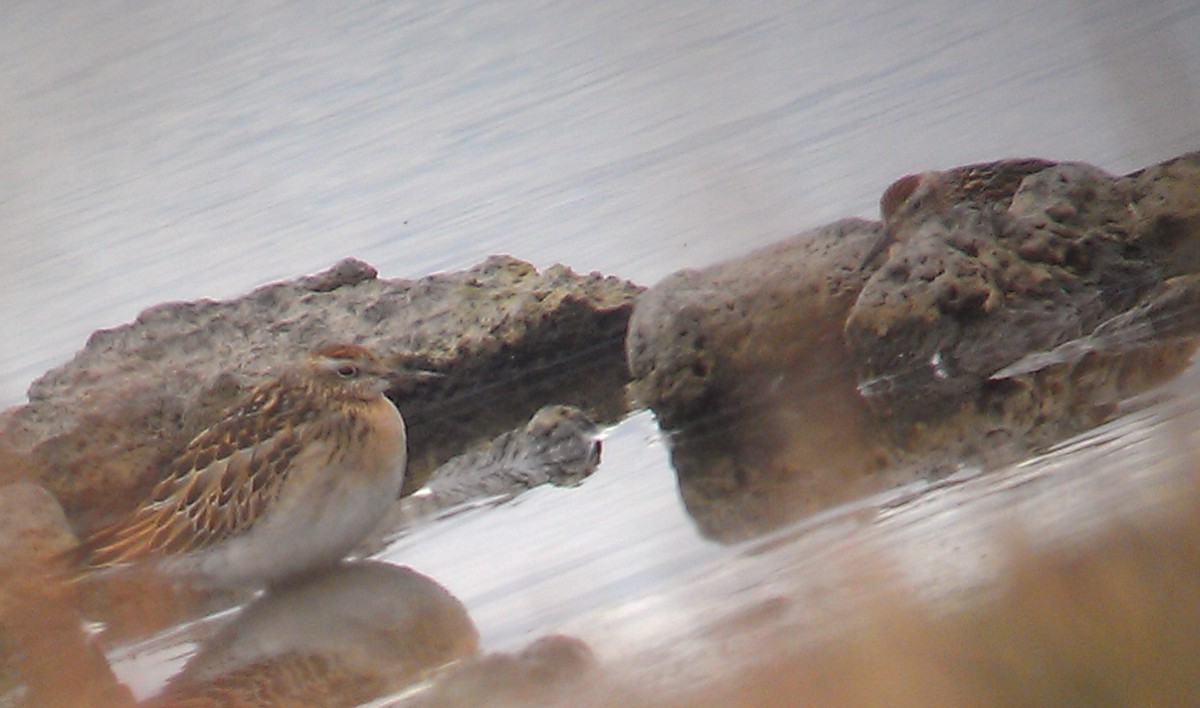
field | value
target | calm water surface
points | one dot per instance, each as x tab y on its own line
171	151
155	151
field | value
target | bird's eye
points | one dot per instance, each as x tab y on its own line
347	371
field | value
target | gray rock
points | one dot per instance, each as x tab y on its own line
507	338
558	446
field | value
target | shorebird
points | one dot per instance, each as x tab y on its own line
288	481
912	199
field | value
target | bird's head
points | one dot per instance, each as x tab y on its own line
351	371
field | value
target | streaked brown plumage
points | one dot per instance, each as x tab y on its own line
910	200
320	443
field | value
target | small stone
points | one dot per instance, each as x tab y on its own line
560	446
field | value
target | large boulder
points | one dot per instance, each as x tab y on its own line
1005	314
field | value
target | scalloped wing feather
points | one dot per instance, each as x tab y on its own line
217	488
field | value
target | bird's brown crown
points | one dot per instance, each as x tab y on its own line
342	350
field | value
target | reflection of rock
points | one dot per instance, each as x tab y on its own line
547	672
1172	313
558	446
790	379
350	635
508	338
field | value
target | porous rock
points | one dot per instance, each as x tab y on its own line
508	339
972	292
792	373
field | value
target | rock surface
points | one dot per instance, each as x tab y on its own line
44	655
507	338
972	292
744	361
559	445
33	529
792	376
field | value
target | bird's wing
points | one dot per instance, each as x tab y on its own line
216	489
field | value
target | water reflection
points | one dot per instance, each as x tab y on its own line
359	632
347	635
797	446
343	637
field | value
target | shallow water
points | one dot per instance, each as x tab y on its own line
157	151
617	564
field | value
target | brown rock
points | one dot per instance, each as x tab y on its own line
33	529
1020	303
744	362
972	293
43	651
1166	212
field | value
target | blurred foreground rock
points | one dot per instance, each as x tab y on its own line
45	658
97	430
1002	317
550	671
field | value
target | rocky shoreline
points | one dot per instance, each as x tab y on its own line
507	339
799	375
790	379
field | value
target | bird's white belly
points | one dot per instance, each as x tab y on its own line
309	526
